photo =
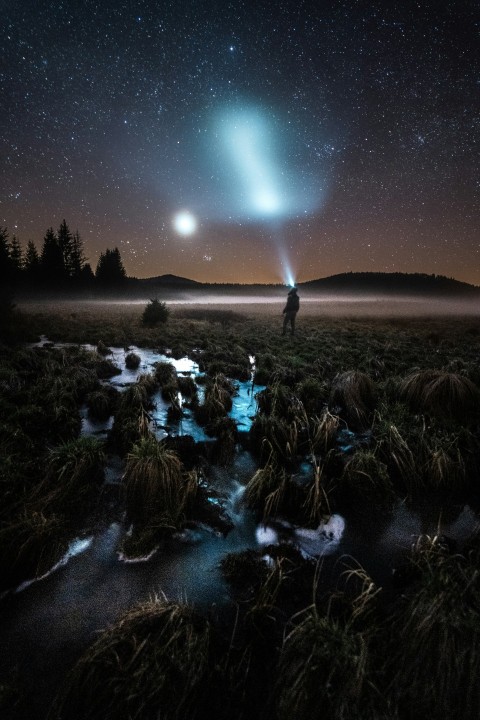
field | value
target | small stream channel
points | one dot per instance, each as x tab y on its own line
46	624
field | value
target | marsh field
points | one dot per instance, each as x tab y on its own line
204	518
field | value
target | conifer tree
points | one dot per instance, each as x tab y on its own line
32	263
77	257
110	271
65	242
5	261
52	264
16	257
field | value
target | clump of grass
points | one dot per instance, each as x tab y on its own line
102	349
445	468
187	386
280	401
434	636
154	663
155	491
267	489
323	665
132	361
394	449
270	434
74	472
313	394
106	369
323	431
218	399
30	545
442	394
365	478
353	393
316	503
165	373
101	403
226	434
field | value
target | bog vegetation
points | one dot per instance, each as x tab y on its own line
379	410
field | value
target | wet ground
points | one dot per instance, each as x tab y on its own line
46	624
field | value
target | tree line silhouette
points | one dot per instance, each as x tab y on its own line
61	264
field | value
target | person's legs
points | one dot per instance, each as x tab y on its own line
292	323
289	318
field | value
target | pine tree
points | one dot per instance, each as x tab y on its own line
110	271
77	257
52	264
87	277
65	242
16	257
32	263
5	260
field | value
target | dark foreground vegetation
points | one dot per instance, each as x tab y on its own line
302	638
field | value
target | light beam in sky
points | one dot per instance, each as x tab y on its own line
184	223
257	170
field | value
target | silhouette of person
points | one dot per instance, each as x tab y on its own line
290	311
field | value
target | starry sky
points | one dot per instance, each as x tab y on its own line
246	141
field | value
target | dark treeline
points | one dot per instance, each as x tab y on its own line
60	265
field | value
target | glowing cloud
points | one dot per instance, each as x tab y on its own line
254	153
184	223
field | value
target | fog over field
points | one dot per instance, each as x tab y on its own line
273	303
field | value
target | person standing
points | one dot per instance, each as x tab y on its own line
290	311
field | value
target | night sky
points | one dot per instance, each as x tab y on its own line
238	141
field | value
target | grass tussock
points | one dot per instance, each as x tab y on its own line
353	393
30	545
74	473
323	665
434	663
218	399
444	395
154	663
156	492
365	478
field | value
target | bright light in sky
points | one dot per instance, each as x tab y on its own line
254	153
248	141
184	223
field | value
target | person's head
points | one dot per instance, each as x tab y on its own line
293	291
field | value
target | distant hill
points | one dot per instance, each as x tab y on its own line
171	281
368	283
351	283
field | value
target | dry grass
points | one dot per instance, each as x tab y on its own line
434	661
442	394
154	663
353	392
365	478
154	487
30	545
74	473
323	666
